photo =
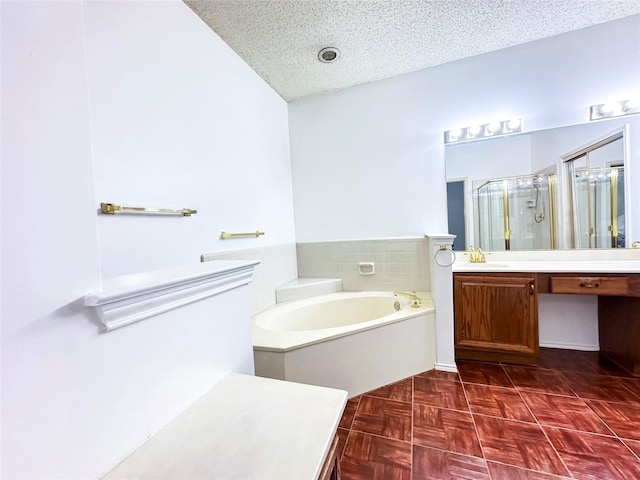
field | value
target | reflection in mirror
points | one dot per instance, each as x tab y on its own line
596	183
515	213
567	204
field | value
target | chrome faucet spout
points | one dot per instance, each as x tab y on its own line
416	301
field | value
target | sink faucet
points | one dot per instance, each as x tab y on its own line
476	255
415	300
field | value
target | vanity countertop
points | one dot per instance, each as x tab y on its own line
245	427
615	260
577	266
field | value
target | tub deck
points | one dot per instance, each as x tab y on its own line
282	341
356	358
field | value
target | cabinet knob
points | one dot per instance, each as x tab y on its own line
532	288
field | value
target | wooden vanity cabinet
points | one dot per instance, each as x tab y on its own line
618	310
496	317
331	467
619	331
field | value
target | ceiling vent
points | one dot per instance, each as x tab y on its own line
328	54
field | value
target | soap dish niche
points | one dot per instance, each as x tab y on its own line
366	268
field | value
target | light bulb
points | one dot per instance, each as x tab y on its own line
475	130
514	124
632	104
455	133
494	127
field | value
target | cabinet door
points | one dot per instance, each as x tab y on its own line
496	317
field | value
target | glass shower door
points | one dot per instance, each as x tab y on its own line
595	175
598	221
490	214
530	212
516	213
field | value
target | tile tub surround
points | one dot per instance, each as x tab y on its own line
307	287
277	267
498	422
400	263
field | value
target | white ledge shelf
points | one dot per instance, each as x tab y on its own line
128	299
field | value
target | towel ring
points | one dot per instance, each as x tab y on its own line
444	248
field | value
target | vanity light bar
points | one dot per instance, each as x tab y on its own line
615	109
487	130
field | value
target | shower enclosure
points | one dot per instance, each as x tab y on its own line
599	207
596	175
516	213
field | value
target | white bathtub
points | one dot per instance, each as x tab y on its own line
355	341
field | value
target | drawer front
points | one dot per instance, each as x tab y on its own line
590	285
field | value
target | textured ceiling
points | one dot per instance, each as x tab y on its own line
280	39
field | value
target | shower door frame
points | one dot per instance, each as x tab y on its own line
571	196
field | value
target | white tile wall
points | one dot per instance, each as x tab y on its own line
307	287
400	263
277	267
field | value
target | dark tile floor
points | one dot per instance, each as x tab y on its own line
572	416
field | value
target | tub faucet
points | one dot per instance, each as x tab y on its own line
415	300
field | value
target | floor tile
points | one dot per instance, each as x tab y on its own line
497	402
484	373
401	391
613	369
600	387
437	374
538	379
431	464
590	456
375	458
500	471
623	419
564	412
519	444
439	393
634	445
387	418
494	421
450	430
577	361
349	412
631	384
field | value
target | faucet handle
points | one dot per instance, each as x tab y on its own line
476	255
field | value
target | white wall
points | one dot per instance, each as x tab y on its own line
137	103
368	161
178	120
52	360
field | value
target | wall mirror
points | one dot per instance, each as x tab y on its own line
566	187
